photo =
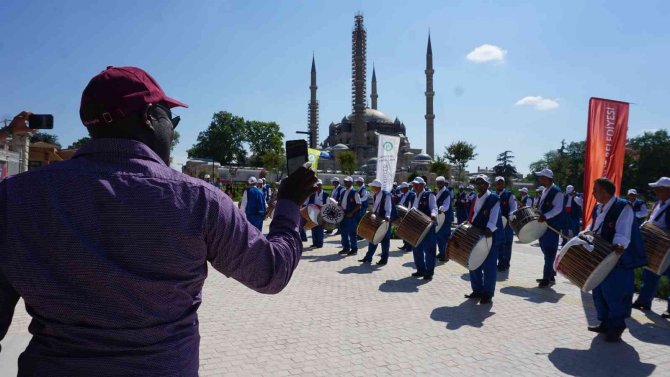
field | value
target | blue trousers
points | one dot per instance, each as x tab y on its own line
424	253
303	234
348	233
441	238
549	246
505	248
613	298
461	215
256	220
483	279
386	245
649	285
317	236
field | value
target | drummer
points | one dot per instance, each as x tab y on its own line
551	211
486	217
538	194
253	204
335	194
443	201
461	204
572	204
381	207
639	206
525	200
660	216
365	199
470	198
406	199
424	253
613	220
350	202
507	208
318	198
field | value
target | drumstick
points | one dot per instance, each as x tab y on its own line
557	231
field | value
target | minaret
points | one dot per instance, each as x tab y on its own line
373	95
313	110
430	117
358	83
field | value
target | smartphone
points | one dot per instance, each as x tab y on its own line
41	121
296	154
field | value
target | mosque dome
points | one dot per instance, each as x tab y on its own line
340	147
422	157
372	161
373	116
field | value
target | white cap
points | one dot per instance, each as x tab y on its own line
483	177
662	182
440	179
348	179
539	188
334	179
499	178
206	176
319	182
570	189
403	185
376	183
523	189
461	187
360	179
632	192
419	181
471	187
251	179
545	173
395	183
262	180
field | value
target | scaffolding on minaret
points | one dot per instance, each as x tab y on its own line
358	83
374	95
313	110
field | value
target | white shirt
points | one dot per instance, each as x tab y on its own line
642	213
493	215
432	203
403	198
243	203
654	213
446	204
387	204
336	191
345	196
512	203
317	199
557	202
365	194
623	224
525	199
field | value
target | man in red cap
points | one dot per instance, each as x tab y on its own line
109	250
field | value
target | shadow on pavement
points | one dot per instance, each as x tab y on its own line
323	258
408	264
409	284
465	276
655	333
602	359
363	268
468	313
537	295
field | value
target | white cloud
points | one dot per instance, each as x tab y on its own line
487	53
538	103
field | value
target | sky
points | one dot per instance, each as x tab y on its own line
509	75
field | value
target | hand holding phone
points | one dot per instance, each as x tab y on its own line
296	155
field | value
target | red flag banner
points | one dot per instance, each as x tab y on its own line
605	147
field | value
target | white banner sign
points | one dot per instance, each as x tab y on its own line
387	159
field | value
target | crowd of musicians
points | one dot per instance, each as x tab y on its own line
490	207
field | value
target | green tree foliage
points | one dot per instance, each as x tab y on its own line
175	140
505	167
79	143
440	167
274	161
223	140
45	138
263	137
647	159
347	160
460	153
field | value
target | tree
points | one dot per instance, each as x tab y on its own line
347	160
505	167
263	137
79	143
175	140
45	138
440	167
460	153
274	161
222	140
646	161
567	164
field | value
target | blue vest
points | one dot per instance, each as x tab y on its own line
424	202
446	196
312	198
461	199
255	202
504	202
381	211
634	255
266	192
409	201
524	201
667	216
576	209
351	199
337	192
557	221
364	203
482	219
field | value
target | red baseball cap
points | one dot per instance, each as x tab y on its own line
118	92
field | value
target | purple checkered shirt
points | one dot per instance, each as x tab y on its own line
109	251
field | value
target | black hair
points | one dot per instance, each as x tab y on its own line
606	185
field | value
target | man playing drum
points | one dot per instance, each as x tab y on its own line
551	211
485	215
365	199
381	207
525	200
507	207
660	216
350	202
424	252
573	209
639	206
461	204
538	194
443	200
406	200
319	198
335	194
613	220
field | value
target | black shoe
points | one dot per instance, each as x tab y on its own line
318	247
474	295
365	260
639	306
428	277
352	252
666	314
613	336
312	246
381	262
418	274
600	329
544	283
552	280
443	259
485	300
344	251
303	240
359	238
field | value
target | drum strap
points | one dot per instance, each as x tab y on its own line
658	216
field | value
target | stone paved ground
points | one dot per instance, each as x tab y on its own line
338	318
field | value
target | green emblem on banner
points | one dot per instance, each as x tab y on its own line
388	146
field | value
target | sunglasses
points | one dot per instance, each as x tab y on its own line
174	121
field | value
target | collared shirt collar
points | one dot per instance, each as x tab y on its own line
118	148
